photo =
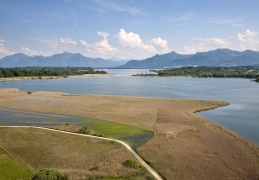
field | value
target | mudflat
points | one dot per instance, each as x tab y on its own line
184	146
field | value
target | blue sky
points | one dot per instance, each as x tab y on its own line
127	29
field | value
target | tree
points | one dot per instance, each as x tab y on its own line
49	174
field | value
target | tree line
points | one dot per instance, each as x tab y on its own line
220	72
48	71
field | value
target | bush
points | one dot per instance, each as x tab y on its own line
84	130
29	92
131	164
49	174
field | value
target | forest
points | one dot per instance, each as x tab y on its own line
47	71
207	72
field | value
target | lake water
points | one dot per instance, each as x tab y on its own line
241	116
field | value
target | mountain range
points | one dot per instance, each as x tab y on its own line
218	57
58	60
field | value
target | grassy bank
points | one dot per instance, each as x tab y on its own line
78	157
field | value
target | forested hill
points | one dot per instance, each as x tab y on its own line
218	57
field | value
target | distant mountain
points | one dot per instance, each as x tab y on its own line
58	60
218	57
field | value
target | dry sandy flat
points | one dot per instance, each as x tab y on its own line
185	146
52	77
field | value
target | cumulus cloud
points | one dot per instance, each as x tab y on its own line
3	50
133	41
248	40
101	48
206	44
58	44
159	43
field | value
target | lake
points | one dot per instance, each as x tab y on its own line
241	116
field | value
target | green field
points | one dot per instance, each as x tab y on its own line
76	156
12	169
133	135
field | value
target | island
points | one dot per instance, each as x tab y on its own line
249	72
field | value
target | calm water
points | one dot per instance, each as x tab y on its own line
242	116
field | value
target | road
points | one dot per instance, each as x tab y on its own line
149	168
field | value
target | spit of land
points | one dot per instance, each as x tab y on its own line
184	146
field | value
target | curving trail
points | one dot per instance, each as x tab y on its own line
149	168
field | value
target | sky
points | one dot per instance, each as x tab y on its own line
127	29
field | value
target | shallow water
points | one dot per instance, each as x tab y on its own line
14	117
27	118
241	116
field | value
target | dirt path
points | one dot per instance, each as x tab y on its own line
149	168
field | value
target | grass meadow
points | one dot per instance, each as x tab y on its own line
78	157
11	168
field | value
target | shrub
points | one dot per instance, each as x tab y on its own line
131	164
29	92
84	130
49	174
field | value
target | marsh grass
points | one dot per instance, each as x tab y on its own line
184	146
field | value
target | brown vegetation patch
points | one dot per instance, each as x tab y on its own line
67	127
188	134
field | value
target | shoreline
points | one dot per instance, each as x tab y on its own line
53	77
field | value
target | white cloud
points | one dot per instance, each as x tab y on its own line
31	52
67	41
248	40
206	45
159	43
136	48
58	44
102	48
133	40
3	50
104	35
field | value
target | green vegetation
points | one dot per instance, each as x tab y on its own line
117	131
131	164
220	72
12	169
84	130
76	156
49	174
49	71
